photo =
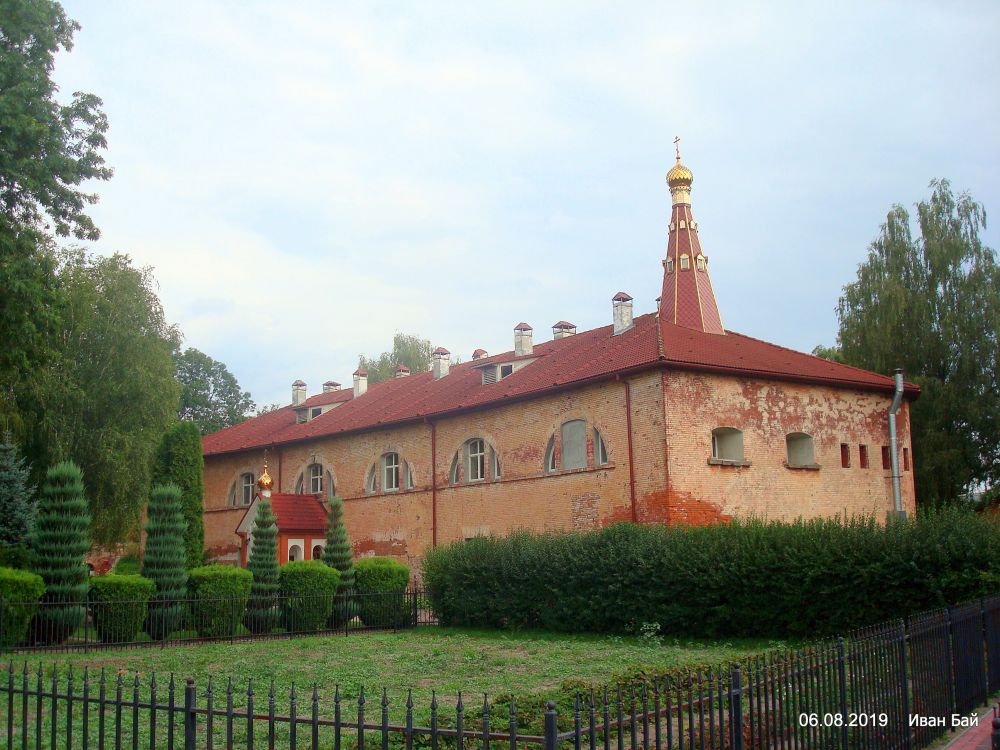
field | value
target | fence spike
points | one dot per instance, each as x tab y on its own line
434	700
385	698
409	698
459	706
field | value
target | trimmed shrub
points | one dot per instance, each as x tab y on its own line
127	566
119	604
19	592
15	556
179	461
60	541
308	589
163	562
262	608
742	579
380	584
338	554
219	595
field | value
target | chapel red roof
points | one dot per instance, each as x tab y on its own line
298	512
557	365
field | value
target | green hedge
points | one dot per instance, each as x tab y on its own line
219	595
14	556
19	595
308	588
748	578
119	604
380	583
127	566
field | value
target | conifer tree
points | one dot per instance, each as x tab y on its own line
262	611
179	461
60	541
163	561
338	554
17	496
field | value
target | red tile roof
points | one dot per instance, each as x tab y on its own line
557	365
298	512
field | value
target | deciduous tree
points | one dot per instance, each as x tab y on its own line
409	350
179	461
930	303
210	395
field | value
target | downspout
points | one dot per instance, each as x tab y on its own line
894	444
631	463
434	503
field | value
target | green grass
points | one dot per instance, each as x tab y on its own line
533	666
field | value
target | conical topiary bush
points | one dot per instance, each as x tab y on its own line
262	608
163	561
60	541
338	554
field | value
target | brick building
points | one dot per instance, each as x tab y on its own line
665	417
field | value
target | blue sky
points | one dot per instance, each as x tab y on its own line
308	178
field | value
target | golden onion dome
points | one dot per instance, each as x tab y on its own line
265	482
679	176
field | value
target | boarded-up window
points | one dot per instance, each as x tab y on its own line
845	455
906	459
886	461
801	449
863	456
574	444
727	444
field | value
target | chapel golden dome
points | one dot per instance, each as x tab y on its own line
679	176
265	482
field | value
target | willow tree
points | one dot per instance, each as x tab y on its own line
929	301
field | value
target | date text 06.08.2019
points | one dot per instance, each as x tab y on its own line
842	720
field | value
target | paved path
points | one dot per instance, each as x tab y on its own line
977	737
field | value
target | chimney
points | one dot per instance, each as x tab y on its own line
562	329
621	308
402	371
480	354
522	339
298	392
441	362
360	382
331	385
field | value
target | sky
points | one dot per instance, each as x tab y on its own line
306	179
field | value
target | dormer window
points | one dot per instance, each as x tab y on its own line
700	263
493	373
315	412
685	262
670	265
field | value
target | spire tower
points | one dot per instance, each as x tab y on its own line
687	298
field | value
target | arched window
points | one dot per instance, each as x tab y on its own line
571	450
390	472
294	553
315	481
476	461
550	455
685	262
600	449
371	483
727	445
241	493
317	552
801	450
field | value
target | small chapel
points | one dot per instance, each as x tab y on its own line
665	417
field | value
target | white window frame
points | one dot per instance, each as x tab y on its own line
724	441
495	463
550	456
390	472
475	460
246	488
685	262
600	449
315	472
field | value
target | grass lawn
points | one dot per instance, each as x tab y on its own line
444	659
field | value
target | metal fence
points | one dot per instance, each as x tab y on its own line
61	626
860	691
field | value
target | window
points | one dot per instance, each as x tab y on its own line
699	262
475	460
670	265
371	483
246	488
407	475
574	444
845	456
455	472
495	463
316	479
550	455
600	449
886	460
727	446
801	450
317	552
906	459
863	456
685	262
506	370
294	553
390	472
316	411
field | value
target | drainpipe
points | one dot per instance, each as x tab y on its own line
894	444
631	463
434	474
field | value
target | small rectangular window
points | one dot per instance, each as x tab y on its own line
390	472
316	479
845	455
886	461
506	370
476	460
906	459
863	456
316	411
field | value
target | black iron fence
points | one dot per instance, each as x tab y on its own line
895	685
58	626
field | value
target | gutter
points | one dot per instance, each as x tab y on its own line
897	398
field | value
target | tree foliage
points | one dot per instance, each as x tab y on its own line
210	395
262	613
17	496
412	351
930	303
48	149
163	561
59	543
179	461
338	554
110	397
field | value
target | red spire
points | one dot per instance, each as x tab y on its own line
687	298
